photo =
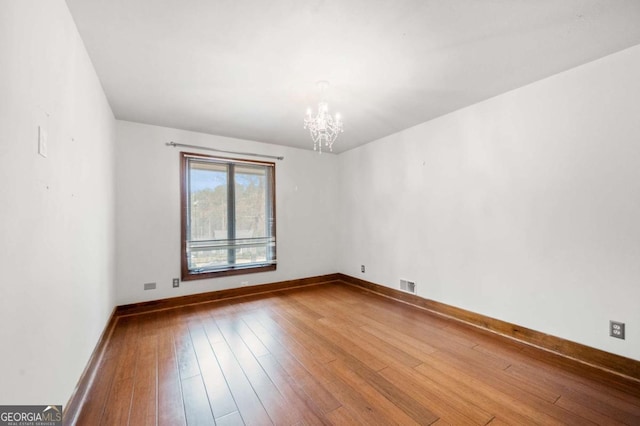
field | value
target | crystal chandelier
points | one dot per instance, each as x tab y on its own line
324	129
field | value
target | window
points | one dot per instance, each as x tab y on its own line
228	216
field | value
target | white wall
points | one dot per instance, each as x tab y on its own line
525	207
148	212
57	213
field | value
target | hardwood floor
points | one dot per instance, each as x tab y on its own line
336	354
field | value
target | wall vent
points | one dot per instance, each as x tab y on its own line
150	286
408	286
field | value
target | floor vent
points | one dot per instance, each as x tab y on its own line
150	286
408	286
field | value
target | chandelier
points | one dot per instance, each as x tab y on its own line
324	129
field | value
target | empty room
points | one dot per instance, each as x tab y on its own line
320	212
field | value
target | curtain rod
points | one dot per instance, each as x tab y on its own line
173	144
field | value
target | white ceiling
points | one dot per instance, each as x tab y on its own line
248	68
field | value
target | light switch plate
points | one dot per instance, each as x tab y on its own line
42	142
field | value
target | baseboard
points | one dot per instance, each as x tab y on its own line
71	411
573	351
193	299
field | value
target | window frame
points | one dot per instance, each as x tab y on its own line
186	273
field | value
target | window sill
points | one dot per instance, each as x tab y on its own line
192	276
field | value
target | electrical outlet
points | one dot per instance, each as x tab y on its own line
362	268
176	282
616	329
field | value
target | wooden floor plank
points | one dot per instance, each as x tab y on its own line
326	305
196	404
588	413
576	394
186	355
357	406
387	353
297	339
387	402
297	375
427	328
118	403
538	409
407	344
249	405
309	412
249	338
266	391
128	354
327	337
478	393
232	419
336	354
170	401
341	416
467	361
442	401
565	379
218	392
589	375
144	401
